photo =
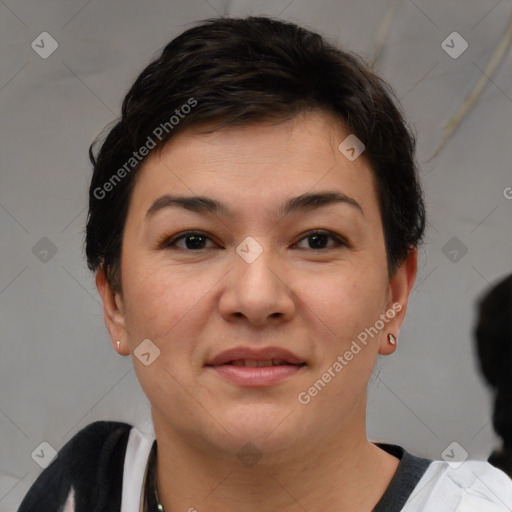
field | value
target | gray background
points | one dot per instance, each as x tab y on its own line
58	370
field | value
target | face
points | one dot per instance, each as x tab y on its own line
310	280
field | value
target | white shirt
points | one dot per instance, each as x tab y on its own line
474	486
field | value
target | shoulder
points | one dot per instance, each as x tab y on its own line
469	487
96	435
94	454
95	446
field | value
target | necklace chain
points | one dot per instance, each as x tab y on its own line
159	506
151	487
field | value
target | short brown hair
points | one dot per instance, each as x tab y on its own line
244	70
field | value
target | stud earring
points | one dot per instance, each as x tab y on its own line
118	343
391	339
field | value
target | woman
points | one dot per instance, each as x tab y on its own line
241	148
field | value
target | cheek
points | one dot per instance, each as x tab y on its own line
350	310
348	300
163	307
160	300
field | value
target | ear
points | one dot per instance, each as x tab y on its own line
400	287
113	312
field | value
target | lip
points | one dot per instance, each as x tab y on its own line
263	354
256	376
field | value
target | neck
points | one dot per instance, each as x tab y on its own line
334	475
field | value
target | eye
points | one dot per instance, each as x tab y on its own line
196	239
318	238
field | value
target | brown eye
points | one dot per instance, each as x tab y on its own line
318	239
194	240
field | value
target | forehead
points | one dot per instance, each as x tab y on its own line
257	165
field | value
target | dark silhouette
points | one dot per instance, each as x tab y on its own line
493	334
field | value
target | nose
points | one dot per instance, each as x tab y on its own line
258	288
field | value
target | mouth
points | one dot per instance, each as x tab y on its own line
248	367
251	363
251	357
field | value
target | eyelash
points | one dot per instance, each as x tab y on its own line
169	242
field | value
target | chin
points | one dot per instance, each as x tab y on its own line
266	425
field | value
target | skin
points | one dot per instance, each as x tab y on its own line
195	303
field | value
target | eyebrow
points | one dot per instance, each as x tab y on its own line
207	205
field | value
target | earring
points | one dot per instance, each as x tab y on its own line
118	343
391	339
